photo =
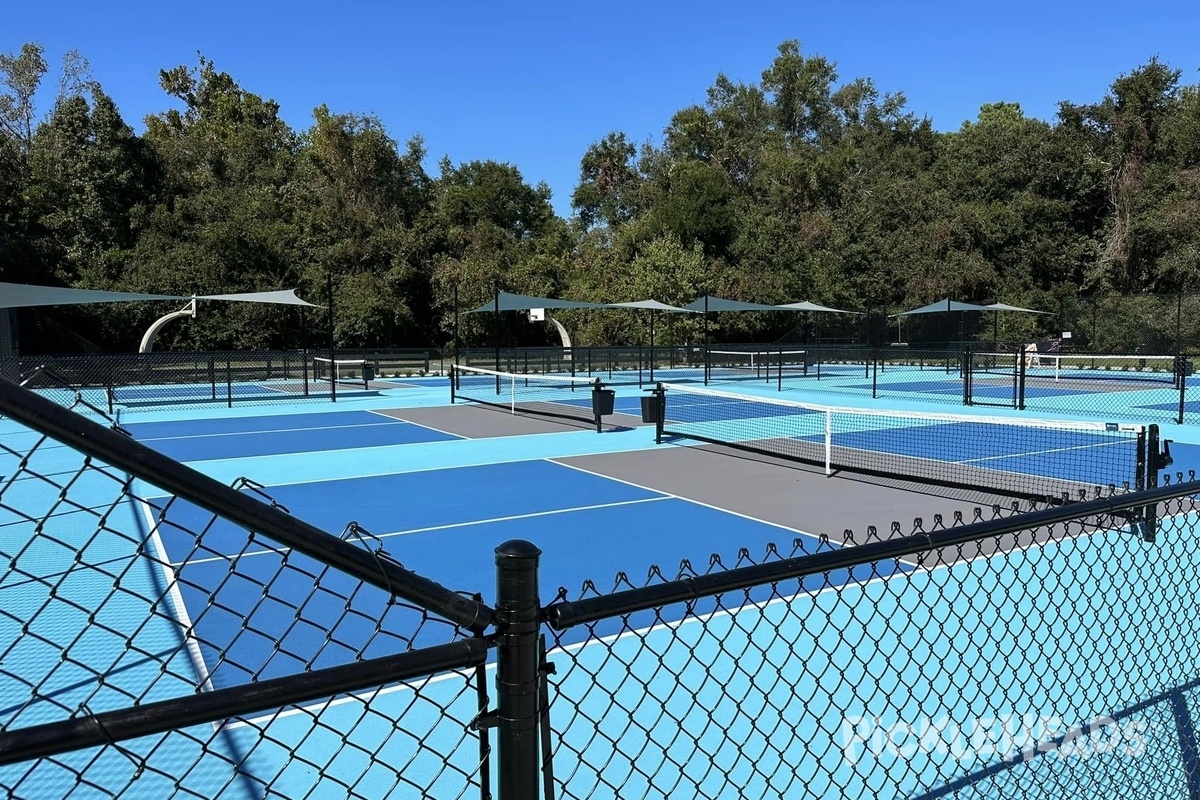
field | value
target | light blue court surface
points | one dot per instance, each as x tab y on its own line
241	437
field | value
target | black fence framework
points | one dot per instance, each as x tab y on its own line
135	381
1002	374
709	680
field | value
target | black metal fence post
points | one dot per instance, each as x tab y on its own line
873	368
518	663
966	375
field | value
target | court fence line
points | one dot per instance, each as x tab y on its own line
1023	654
132	382
1110	385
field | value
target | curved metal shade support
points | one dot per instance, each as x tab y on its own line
151	334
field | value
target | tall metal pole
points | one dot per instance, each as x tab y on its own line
707	344
332	347
496	327
652	345
456	342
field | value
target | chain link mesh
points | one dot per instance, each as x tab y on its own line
1059	663
112	596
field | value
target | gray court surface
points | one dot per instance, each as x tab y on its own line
796	497
486	422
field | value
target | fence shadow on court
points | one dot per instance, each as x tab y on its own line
166	635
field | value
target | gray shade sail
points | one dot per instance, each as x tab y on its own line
942	306
807	306
721	304
506	301
286	297
21	295
652	305
1007	307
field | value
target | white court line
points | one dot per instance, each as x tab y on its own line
417	424
176	599
1040	452
450	526
789	529
276	430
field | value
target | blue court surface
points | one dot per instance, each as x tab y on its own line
240	437
588	526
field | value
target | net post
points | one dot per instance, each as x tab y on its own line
518	623
1022	365
779	371
874	370
596	387
228	383
828	442
966	375
453	382
660	420
304	369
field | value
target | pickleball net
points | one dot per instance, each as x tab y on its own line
761	364
1044	461
561	396
342	371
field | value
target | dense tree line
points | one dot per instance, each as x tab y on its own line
800	186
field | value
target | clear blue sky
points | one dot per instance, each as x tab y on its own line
535	83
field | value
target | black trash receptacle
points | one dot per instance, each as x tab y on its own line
368	372
650	407
603	402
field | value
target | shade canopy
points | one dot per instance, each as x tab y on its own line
1007	307
710	303
807	306
507	301
652	305
20	295
285	297
942	306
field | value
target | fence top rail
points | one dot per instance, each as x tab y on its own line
136	459
569	613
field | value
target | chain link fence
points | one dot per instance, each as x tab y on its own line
164	635
135	382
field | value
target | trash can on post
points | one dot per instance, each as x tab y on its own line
650	407
603	402
368	372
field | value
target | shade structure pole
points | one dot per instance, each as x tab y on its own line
652	345
496	326
332	347
456	339
707	344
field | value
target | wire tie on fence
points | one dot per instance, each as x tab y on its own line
373	545
260	490
94	719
